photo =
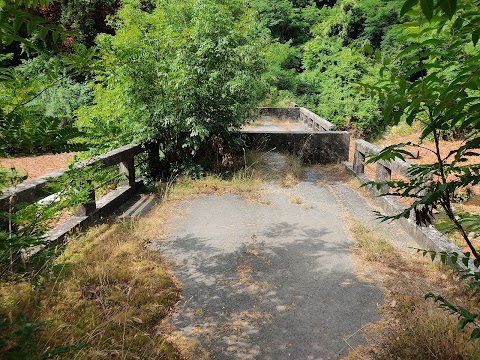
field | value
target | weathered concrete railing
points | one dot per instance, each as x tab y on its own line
314	121
427	237
384	169
316	143
34	190
322	147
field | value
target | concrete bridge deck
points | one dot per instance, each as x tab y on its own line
268	123
274	279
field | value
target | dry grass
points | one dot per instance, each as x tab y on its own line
411	327
295	199
249	187
109	291
369	244
403	133
293	172
106	291
246	181
332	173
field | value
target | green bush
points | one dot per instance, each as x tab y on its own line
180	74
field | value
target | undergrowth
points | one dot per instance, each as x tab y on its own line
371	245
105	294
411	327
244	178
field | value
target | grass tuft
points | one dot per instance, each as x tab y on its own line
370	244
293	172
411	327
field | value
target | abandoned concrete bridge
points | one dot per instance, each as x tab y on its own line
272	278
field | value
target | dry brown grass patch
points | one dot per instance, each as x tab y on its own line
106	291
293	171
332	173
412	327
370	244
246	181
295	199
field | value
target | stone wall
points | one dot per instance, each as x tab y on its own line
314	147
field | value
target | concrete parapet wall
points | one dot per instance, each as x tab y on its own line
314	147
302	114
31	191
316	122
427	237
365	148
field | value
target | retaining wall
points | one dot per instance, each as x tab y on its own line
314	147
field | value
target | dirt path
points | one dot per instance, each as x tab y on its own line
35	166
273	279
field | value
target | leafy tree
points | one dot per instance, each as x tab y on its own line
22	29
31	121
436	81
180	74
285	21
331	74
87	18
331	61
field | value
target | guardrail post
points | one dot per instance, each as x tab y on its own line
128	167
90	206
383	173
358	162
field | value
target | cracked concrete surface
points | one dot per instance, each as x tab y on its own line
272	280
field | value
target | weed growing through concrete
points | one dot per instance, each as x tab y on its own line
293	172
295	199
371	245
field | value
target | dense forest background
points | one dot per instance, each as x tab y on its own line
93	75
187	72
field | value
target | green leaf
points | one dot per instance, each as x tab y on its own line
467	318
458	23
407	5
427	8
449	7
443	258
475	334
475	36
454	258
